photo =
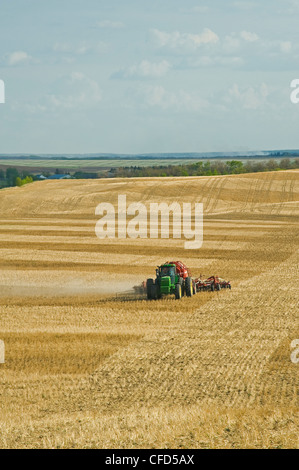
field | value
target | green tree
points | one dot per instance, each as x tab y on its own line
285	163
11	176
207	168
235	167
27	180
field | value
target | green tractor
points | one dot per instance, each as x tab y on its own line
171	278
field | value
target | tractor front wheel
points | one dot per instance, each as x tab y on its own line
178	291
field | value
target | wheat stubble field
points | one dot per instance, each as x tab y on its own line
90	365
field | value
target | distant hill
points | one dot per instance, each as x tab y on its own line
155	156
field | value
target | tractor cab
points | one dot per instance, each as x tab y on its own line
167	271
166	278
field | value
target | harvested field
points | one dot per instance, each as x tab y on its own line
90	364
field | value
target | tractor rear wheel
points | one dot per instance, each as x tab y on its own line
212	287
149	285
178	291
182	284
189	287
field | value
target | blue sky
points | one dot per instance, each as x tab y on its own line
138	77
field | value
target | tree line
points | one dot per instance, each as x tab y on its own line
208	168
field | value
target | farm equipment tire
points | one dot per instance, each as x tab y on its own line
212	287
194	288
154	292
178	291
189	287
218	287
182	284
149	285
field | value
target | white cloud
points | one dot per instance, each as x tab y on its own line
234	41
248	98
244	5
212	61
35	109
145	69
85	93
80	48
248	36
62	47
292	6
18	57
157	96
110	24
176	39
200	9
65	47
83	49
285	46
231	43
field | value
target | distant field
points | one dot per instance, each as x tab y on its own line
94	165
88	164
